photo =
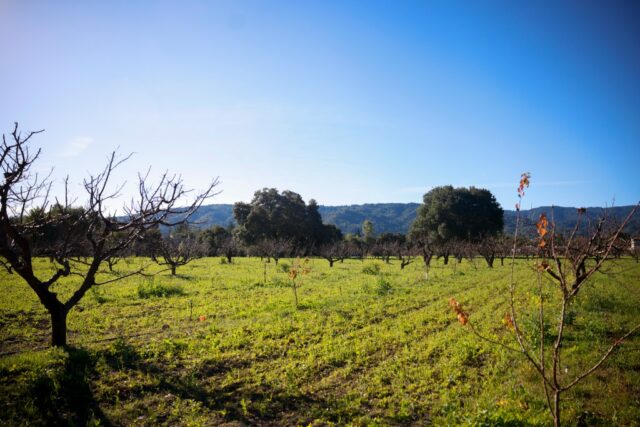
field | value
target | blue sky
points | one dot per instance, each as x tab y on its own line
341	101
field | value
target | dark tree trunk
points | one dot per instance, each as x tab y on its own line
427	260
58	326
173	270
331	261
582	269
229	258
446	259
489	260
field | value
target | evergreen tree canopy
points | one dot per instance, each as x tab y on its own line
274	215
450	213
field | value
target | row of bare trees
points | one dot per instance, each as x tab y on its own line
180	246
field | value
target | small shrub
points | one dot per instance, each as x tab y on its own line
373	269
151	289
284	267
223	260
383	287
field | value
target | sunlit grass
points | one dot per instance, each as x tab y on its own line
366	346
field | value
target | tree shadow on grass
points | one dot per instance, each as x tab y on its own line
67	398
63	394
243	401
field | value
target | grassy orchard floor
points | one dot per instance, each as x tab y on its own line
361	349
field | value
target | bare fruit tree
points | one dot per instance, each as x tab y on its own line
568	263
178	249
95	236
276	248
333	252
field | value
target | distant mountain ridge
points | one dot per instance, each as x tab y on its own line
565	217
398	217
386	217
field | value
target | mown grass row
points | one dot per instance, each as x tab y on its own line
220	345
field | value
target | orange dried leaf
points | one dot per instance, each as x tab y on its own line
202	318
542	226
508	320
524	183
463	318
543	266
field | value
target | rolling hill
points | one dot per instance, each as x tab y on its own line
397	217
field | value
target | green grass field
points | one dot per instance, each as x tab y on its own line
216	345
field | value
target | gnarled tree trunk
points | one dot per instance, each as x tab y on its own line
58	326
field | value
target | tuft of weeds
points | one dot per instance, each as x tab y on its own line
98	295
371	268
151	289
284	267
383	287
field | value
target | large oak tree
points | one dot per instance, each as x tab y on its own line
282	216
451	214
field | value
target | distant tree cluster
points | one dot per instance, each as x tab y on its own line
458	222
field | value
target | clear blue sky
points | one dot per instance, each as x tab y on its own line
341	101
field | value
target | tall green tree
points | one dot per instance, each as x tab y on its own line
276	216
451	214
367	230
